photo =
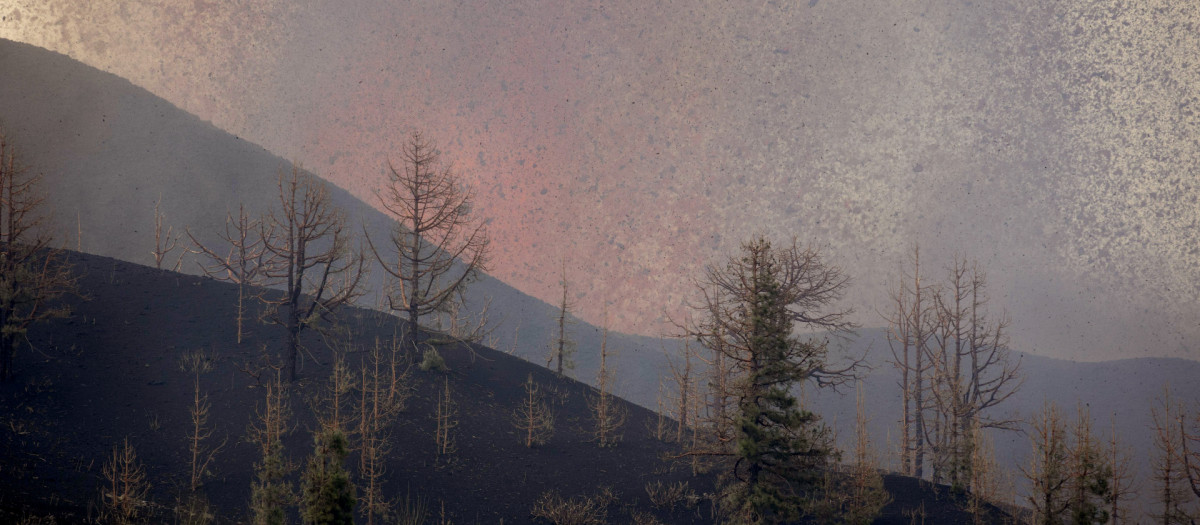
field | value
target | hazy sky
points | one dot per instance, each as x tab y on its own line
1056	142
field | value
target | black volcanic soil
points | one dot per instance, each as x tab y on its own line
112	371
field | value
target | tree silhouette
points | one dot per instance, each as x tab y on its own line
562	347
749	311
308	253
438	247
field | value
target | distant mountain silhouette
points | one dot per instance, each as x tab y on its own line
109	150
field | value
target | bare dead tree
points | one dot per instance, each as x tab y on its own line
607	415
198	363
332	407
972	370
533	417
720	403
242	264
164	242
1121	488
866	496
1048	473
126	487
439	248
910	328
660	412
984	471
955	368
446	420
685	392
1169	475
33	273
562	347
384	391
308	252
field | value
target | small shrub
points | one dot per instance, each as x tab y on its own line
553	508
639	517
533	418
412	510
432	360
126	488
668	496
193	509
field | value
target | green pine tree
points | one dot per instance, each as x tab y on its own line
782	449
327	496
271	494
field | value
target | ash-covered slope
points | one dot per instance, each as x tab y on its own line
112	372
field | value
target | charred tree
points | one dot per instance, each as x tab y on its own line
308	253
242	264
438	247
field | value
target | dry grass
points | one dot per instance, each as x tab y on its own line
669	496
583	510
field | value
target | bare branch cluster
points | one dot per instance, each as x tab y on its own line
242	264
533	417
308	252
33	273
955	367
439	248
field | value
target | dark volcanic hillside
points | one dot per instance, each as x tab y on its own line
111	372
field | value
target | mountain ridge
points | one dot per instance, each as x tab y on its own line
110	149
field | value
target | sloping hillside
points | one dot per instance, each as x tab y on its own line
109	150
112	371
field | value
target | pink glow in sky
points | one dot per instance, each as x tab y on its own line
640	141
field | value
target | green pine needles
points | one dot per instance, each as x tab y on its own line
327	496
750	308
781	449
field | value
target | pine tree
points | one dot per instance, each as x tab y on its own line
327	496
780	447
1089	491
271	493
